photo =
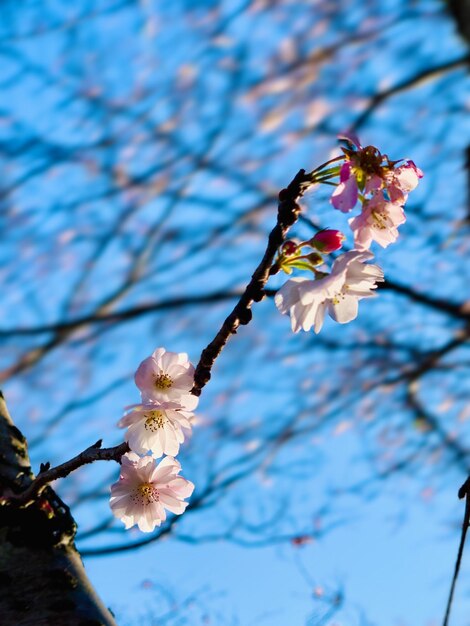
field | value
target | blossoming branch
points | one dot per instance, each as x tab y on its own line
149	482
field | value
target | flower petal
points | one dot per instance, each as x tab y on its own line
343	310
344	197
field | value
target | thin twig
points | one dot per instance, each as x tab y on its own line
464	492
94	453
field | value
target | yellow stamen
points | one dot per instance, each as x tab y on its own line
380	220
146	494
154	420
163	381
339	296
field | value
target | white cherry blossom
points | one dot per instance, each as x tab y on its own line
157	427
337	293
378	221
144	491
167	377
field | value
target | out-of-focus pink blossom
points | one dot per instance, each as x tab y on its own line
378	222
167	376
158	428
337	293
144	491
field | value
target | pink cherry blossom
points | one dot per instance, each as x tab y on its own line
156	427
328	240
337	293
401	181
365	170
378	222
345	195
144	491
167	376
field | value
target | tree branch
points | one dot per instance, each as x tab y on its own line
109	317
288	213
94	453
464	492
423	76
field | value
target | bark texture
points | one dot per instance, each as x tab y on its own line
42	578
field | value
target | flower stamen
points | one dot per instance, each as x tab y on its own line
145	494
380	220
154	420
163	381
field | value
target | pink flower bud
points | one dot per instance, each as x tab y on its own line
289	248
328	240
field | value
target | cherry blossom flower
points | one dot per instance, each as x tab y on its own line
363	171
337	293
144	491
366	170
401	181
328	240
156	427
167	376
377	222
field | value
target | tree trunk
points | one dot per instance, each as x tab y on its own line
42	578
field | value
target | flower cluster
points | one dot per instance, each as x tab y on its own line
157	426
381	187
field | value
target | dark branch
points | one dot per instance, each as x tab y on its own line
288	213
94	453
464	492
421	77
459	311
120	316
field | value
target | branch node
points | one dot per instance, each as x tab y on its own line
245	317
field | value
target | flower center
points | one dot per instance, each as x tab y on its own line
336	299
380	220
145	494
154	420
163	381
370	160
